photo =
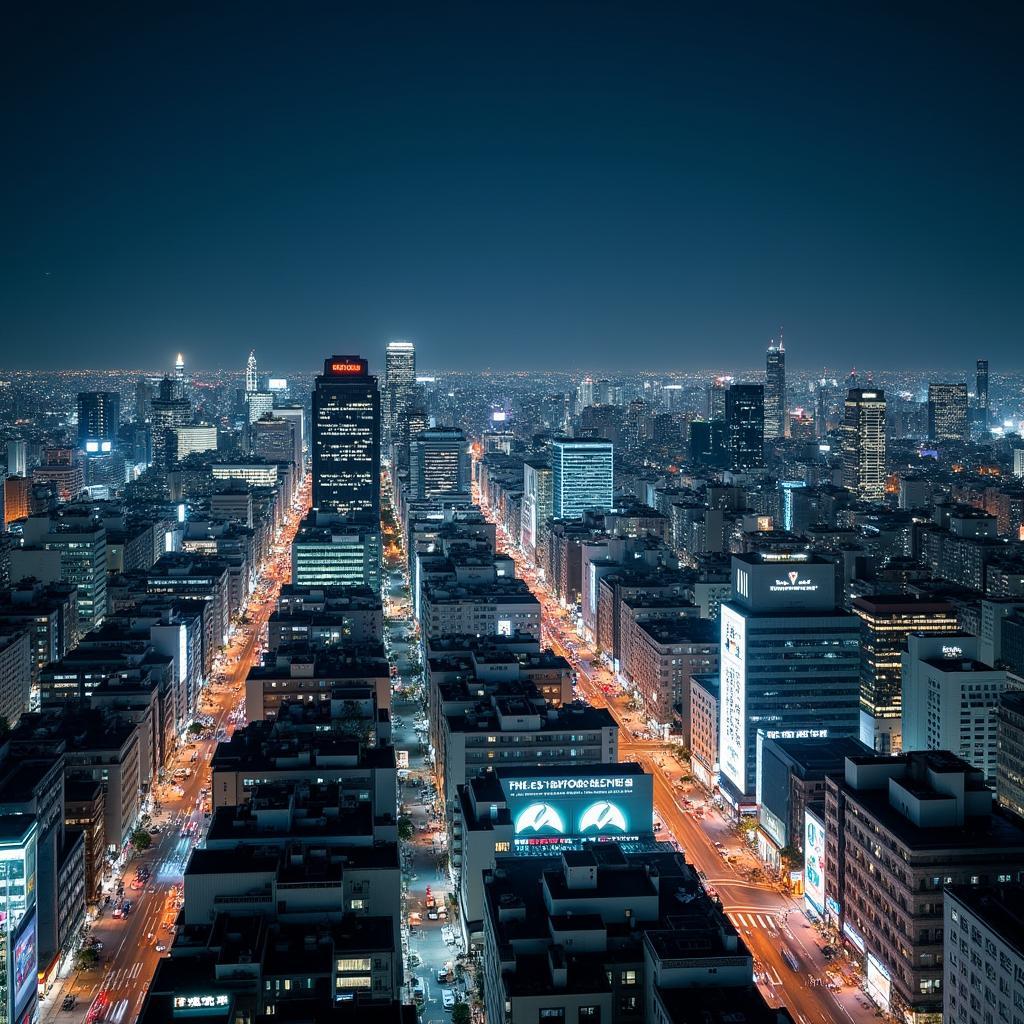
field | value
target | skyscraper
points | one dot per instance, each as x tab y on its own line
252	381
716	397
947	412
790	662
775	391
581	476
346	439
169	409
99	416
887	620
864	443
585	395
438	462
179	372
982	392
744	426
399	386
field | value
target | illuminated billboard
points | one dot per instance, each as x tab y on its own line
814	862
25	963
879	983
277	384
554	810
733	699
345	366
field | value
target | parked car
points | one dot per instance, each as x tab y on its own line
448	998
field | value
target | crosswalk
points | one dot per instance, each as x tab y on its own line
748	920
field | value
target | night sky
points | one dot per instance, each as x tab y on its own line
544	186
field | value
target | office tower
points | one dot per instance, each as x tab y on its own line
585	394
983	924
947	412
581	476
334	551
71	547
252	381
864	443
744	426
346	439
716	397
99	416
790	662
603	392
191	440
982	392
17	458
898	832
775	391
399	387
143	400
536	506
438	462
786	502
258	404
886	622
708	444
1018	463
951	699
276	439
168	410
179	373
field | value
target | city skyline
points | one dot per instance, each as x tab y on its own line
673	185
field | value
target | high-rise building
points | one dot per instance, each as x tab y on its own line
399	386
252	380
947	412
582	475
179	373
951	700
536	507
276	439
716	397
775	391
981	388
99	416
346	439
898	831
864	443
169	409
983	924
17	457
886	622
585	394
143	399
744	426
438	462
789	662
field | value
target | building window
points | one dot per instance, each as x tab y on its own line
552	1013
628	978
590	1015
354	964
502	847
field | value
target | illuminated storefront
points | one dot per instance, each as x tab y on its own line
19	965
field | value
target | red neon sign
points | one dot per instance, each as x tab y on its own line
346	367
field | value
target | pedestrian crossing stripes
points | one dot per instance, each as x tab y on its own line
766	922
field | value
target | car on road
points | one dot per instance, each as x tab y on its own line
448	999
160	947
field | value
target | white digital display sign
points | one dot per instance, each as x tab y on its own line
733	710
879	983
814	863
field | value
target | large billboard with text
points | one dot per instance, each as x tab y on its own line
814	862
554	810
732	753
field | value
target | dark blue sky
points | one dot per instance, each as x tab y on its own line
549	185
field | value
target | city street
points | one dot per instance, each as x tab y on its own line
772	924
114	990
